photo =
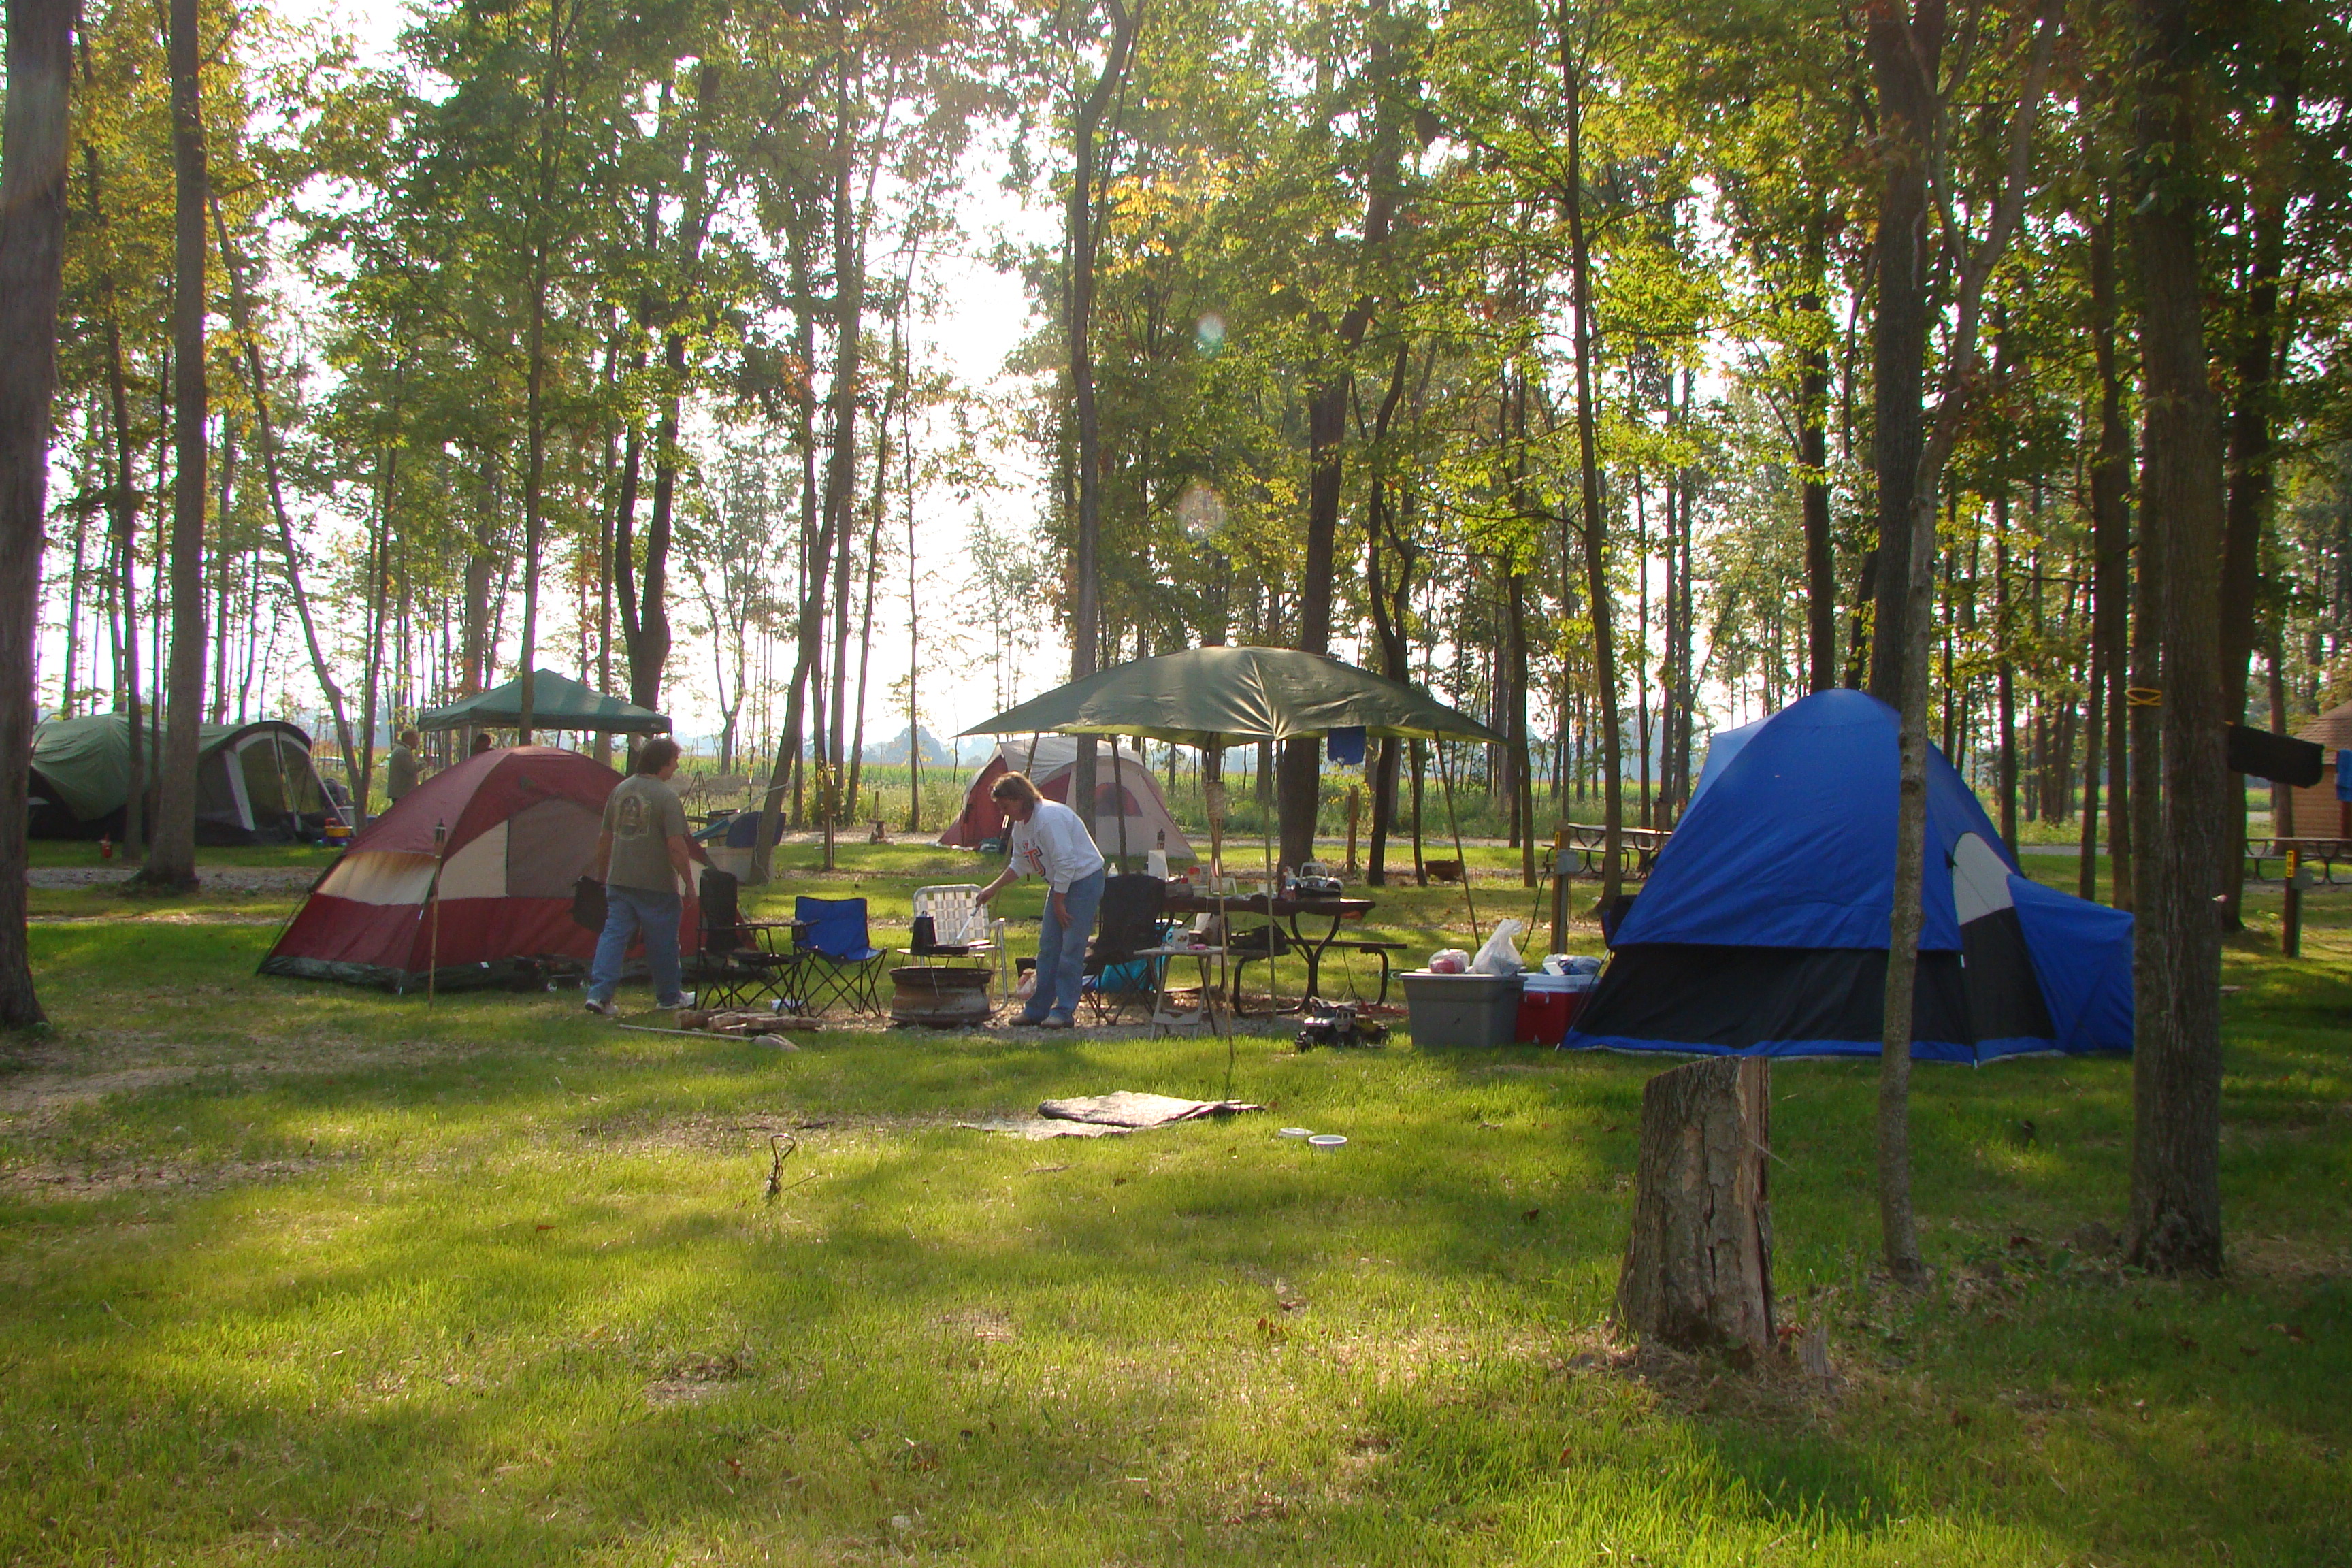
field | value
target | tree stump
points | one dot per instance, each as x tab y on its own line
1698	1269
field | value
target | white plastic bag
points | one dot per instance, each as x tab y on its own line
1500	955
1449	960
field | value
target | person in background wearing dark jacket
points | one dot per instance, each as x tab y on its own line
400	768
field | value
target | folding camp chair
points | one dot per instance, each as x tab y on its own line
959	925
836	955
1128	921
740	960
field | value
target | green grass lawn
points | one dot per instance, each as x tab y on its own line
296	1273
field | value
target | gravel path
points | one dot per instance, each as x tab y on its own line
215	879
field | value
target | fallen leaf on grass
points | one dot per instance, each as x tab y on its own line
1532	1215
2293	1331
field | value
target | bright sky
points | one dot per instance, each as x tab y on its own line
984	314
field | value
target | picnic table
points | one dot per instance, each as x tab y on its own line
1587	843
2326	851
1290	909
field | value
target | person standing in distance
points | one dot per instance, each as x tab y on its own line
1050	840
400	768
643	860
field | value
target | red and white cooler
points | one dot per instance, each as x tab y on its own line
1548	1004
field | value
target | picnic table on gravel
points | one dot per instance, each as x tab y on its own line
1290	908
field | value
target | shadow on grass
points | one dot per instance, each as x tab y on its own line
530	1301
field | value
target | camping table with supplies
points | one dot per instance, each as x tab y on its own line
1287	908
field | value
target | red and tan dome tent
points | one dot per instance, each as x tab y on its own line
519	828
1124	786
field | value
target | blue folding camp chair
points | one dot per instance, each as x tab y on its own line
838	958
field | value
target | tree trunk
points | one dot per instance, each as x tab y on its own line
841	465
122	516
2111	545
1904	59
1389	601
1596	568
914	664
649	647
1813	456
865	630
1898	1224
1903	55
241	322
2250	479
1698	1269
32	252
379	579
2176	1211
1086	591
2086	876
171	846
2004	673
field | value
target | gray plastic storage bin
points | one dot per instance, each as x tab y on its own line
1462	1009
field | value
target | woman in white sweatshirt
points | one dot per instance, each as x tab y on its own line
1050	840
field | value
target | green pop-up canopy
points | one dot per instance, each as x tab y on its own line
1213	697
556	703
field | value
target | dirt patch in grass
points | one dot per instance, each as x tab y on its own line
224	880
162	1176
2285	1260
732	1134
985	1324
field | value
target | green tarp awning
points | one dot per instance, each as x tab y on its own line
1229	696
557	702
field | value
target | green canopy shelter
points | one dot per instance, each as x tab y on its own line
1215	697
557	702
1212	698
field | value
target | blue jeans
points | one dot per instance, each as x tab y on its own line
1062	950
628	911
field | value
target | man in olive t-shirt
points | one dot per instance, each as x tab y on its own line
642	857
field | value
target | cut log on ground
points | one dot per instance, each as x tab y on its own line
1698	1270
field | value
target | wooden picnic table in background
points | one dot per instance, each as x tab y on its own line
1588	843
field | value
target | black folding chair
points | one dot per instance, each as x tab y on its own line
740	960
1132	919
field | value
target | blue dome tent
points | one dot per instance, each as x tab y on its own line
1762	931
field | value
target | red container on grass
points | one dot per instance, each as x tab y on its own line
1548	1004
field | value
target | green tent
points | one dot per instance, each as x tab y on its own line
254	782
556	703
1213	697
